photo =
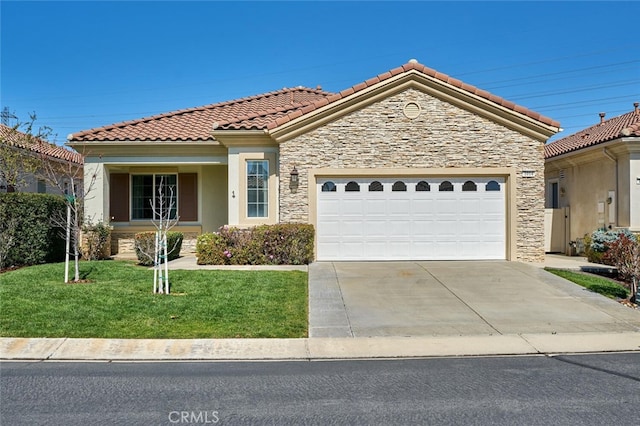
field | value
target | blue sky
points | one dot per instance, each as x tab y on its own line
84	64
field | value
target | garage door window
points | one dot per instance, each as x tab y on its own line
422	186
469	186
445	186
375	186
352	187
329	187
492	185
399	186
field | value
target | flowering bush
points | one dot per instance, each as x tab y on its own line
600	241
281	244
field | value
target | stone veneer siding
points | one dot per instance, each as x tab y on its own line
381	136
124	242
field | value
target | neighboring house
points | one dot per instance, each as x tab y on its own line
25	160
409	164
592	180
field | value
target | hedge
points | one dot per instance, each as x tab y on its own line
281	244
28	219
145	246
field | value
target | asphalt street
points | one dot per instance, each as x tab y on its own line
532	390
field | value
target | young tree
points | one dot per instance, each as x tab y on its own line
68	178
164	219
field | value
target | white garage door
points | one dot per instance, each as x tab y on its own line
411	218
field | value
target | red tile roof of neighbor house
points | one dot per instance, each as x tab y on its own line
264	111
19	139
607	130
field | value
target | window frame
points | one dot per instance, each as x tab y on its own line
553	195
154	192
263	189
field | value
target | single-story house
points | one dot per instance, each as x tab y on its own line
410	164
30	164
592	180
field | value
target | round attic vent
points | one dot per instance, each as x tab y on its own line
412	110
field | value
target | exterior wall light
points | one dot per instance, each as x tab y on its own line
294	176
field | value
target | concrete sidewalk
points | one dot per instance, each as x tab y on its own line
20	349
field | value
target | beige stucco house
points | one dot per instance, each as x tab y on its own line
409	164
592	180
31	164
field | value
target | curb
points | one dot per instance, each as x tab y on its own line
68	349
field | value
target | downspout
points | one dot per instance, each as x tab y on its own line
615	160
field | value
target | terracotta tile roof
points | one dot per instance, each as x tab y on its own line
412	65
17	138
625	125
196	124
265	111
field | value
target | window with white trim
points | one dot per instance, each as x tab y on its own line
257	188
145	196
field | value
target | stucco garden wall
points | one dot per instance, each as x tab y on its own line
443	135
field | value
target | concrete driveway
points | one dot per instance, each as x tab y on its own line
375	299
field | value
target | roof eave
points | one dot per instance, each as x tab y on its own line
421	81
618	145
231	138
76	144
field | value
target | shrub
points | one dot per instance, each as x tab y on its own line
600	241
281	244
208	250
286	244
95	241
624	254
145	246
27	220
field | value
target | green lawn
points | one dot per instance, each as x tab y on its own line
594	283
119	303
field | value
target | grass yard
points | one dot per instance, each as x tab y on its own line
119	303
594	283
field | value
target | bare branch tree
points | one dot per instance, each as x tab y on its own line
164	219
68	178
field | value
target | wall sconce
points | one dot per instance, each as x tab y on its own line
294	176
609	200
